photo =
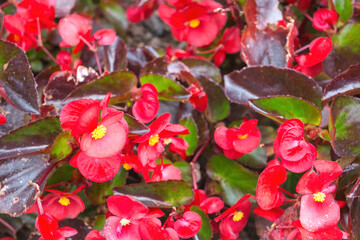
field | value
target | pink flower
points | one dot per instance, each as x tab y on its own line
146	108
188	225
238	141
324	19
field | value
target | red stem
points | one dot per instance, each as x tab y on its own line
288	193
12	229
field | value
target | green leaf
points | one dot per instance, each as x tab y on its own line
185	169
17	79
344	126
115	14
159	194
34	137
280	108
218	105
192	138
119	84
255	159
344	8
234	179
168	89
62	146
135	127
205	232
349	36
200	67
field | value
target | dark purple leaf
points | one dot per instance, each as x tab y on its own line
17	193
137	58
43	77
202	67
135	127
268	47
34	137
78	224
17	79
115	56
344	126
14	118
118	83
266	81
354	218
347	83
339	60
260	13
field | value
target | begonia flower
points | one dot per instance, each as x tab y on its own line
165	172
268	194
2	119
126	216
63	205
161	133
198	98
324	19
318	209
332	233
233	223
188	225
195	23
296	154
229	43
238	141
49	229
210	205
141	11
150	229
146	108
94	235
272	215
319	48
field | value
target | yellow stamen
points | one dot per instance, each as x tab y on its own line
319	197
127	166
154	140
194	23
99	132
16	37
167	141
124	222
242	137
238	215
64	201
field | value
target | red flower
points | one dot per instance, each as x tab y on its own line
63	205
161	133
271	215
198	98
296	154
238	141
318	209
332	233
126	216
64	59
150	229
324	19
49	229
229	43
188	225
94	235
2	119
196	23
141	11
233	223
268	194
165	172
210	205
319	48
146	108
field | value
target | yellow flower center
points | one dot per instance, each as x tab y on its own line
154	140
64	201
167	141
319	197
238	215
127	166
16	37
242	137
124	222
194	23
99	132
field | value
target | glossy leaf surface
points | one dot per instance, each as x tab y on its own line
192	138
281	108
201	67
115	56
234	179
345	126
344	8
159	194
